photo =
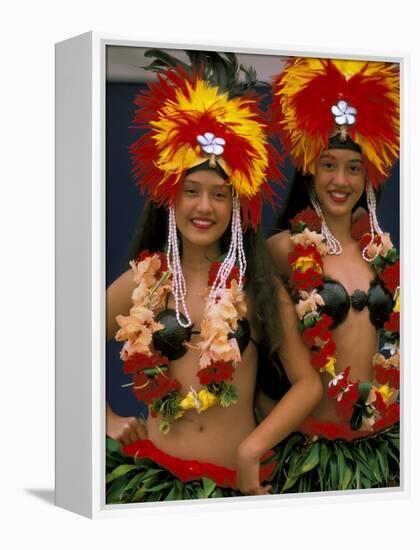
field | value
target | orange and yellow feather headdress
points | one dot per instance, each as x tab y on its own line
315	99
187	121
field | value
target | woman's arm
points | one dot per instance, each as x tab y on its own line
126	429
280	247
305	392
118	301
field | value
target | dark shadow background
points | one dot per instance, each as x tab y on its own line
124	206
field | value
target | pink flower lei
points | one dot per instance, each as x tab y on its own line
359	403
219	353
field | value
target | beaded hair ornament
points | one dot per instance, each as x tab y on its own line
322	104
190	118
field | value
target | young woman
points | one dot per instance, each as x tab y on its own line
190	331
339	123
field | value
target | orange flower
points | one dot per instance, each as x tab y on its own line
215	345
386	244
137	328
131	324
229	306
393	361
138	344
140	294
374	248
238	297
222	308
309	303
147	270
307	237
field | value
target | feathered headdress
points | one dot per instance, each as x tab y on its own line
189	119
316	99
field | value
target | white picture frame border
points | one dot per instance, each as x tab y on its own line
80	279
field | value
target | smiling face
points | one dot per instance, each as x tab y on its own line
339	181
203	208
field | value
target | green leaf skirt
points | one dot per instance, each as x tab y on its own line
315	463
140	479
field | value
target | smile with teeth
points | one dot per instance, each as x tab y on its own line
202	223
338	196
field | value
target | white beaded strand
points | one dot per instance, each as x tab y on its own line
179	286
235	254
375	228
334	246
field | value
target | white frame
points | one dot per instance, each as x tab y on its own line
80	280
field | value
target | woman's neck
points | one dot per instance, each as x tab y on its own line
340	227
197	257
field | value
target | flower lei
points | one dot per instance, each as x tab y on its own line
219	352
360	403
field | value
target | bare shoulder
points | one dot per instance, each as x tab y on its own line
120	291
280	247
124	283
280	243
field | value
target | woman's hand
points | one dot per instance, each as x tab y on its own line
126	429
248	472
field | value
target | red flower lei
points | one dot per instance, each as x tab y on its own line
149	367
357	403
216	373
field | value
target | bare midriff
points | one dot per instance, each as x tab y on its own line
356	338
215	434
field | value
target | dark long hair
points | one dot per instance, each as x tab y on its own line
261	272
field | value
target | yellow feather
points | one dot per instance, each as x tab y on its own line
235	113
305	147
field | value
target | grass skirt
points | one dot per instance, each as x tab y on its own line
142	473
311	462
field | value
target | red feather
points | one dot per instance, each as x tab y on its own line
377	119
238	154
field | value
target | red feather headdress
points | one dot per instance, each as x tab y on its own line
315	99
188	121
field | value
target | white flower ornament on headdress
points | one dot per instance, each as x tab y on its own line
344	113
211	144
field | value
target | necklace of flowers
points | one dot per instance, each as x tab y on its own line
361	404
219	351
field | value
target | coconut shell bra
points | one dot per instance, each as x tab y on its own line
337	302
322	304
153	336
